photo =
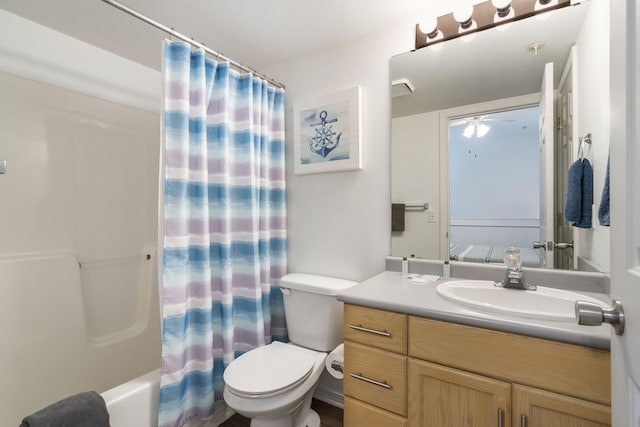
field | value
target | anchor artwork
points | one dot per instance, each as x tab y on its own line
324	143
327	133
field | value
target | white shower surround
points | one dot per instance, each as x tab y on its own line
81	138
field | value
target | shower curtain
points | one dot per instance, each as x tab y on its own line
224	226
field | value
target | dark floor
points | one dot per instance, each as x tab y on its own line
330	416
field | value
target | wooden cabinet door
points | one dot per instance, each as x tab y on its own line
446	397
545	409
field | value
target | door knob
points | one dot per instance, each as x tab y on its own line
591	314
563	245
547	246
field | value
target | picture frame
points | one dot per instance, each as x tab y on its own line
328	132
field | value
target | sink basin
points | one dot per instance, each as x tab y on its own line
543	303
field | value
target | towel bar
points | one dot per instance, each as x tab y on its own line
424	206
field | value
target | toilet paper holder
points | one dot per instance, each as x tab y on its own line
338	366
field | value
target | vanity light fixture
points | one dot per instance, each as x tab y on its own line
488	14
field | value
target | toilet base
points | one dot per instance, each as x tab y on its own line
312	419
301	416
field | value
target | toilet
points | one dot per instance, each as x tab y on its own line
273	384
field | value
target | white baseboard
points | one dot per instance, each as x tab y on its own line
331	397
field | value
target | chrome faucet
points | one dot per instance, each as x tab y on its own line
514	278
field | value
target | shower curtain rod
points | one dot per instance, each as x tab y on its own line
182	37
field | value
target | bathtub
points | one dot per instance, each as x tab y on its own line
135	403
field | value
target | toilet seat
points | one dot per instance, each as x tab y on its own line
269	370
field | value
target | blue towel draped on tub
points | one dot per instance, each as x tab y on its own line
80	410
578	208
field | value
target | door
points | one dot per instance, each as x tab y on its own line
565	255
442	396
547	129
540	408
625	209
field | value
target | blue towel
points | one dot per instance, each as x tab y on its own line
603	211
578	208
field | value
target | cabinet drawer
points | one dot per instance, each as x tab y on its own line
376	376
378	328
564	368
357	414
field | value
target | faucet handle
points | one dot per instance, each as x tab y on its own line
512	259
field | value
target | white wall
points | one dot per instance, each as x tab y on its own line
593	117
339	223
415	177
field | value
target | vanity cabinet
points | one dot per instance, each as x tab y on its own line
375	367
458	375
491	378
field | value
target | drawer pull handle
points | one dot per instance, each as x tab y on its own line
359	376
371	331
523	420
500	416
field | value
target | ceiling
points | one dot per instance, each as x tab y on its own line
257	33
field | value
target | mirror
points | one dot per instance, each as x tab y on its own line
491	73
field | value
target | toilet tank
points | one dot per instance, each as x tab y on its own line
314	314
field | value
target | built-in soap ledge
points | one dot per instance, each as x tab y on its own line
561	279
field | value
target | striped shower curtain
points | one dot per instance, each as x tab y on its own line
224	226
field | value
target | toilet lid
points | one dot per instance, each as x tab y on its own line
269	369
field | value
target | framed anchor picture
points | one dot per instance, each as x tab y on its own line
327	136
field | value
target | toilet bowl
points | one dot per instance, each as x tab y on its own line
273	384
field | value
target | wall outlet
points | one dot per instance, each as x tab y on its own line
433	216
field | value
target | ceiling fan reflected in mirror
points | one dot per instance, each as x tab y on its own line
475	126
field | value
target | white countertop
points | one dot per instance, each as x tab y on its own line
392	291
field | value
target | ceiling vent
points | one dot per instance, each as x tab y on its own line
401	87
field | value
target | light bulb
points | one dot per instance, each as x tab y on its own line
544	4
482	130
504	10
503	7
469	131
463	14
430	27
